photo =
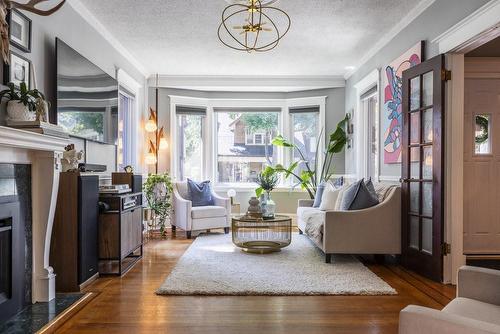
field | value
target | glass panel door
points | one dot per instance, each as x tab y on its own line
422	168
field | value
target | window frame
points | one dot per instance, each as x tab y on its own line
209	168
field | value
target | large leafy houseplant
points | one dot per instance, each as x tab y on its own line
310	177
158	191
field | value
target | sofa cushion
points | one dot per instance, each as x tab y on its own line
302	212
329	199
382	189
371	188
200	194
340	196
319	195
199	212
474	309
357	197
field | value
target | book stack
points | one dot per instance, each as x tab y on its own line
44	128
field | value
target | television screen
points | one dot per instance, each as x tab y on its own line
87	97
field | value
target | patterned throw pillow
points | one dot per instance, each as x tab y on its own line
200	194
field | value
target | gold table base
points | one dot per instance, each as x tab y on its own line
260	236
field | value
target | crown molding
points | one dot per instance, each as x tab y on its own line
247	83
382	42
80	8
476	29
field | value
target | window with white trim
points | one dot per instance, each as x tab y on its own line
230	141
125	144
243	147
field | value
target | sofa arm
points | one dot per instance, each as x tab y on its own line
417	320
480	284
182	211
308	203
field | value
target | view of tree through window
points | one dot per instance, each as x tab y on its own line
244	144
305	136
190	134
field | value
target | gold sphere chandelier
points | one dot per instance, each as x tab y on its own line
259	31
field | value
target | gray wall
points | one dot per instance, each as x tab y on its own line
435	20
334	110
69	26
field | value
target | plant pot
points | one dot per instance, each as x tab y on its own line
267	205
17	111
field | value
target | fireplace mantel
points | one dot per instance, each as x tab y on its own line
44	153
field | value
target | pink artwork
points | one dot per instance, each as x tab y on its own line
392	113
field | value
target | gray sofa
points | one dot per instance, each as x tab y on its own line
476	310
376	230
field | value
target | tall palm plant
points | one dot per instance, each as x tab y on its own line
311	176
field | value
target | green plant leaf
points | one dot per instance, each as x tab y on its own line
259	191
282	142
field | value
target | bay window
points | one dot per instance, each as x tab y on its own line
229	142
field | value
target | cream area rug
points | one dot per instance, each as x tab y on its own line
212	265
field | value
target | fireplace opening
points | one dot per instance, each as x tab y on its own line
5	259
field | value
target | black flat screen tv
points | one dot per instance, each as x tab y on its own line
87	97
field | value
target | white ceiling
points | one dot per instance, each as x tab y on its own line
179	37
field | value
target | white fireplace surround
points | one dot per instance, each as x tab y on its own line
44	154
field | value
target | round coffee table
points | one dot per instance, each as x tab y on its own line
262	236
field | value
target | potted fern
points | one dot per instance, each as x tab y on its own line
22	102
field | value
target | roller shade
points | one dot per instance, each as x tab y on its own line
302	110
242	110
368	93
186	110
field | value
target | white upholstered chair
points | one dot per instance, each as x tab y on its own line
189	218
476	310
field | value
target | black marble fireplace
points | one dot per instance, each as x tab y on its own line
15	239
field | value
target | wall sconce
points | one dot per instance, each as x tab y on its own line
151	156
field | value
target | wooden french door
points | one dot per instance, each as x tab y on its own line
422	168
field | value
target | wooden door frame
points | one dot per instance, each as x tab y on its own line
477	29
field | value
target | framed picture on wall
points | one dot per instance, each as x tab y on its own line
19	30
18	71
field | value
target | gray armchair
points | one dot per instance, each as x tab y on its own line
475	310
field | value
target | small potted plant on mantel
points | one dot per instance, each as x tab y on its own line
22	103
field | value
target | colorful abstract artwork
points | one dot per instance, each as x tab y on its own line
392	113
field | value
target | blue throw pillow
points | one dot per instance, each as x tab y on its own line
371	188
358	197
319	195
200	194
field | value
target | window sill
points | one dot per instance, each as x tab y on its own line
240	188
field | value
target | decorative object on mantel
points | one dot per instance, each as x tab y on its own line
267	180
22	102
311	176
70	158
254	28
151	126
30	6
158	191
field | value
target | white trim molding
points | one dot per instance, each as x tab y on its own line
382	42
247	83
361	122
476	29
87	15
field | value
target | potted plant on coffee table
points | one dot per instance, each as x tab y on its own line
267	180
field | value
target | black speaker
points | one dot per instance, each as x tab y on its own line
137	184
88	218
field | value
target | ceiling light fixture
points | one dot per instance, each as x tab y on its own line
259	32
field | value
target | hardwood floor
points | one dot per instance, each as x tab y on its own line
130	305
